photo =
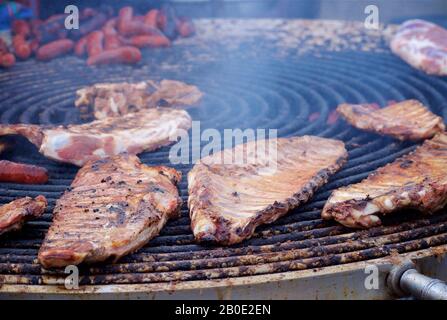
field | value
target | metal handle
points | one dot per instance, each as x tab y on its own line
405	280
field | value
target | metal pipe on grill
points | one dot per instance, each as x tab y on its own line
405	280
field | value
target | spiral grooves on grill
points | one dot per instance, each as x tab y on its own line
295	96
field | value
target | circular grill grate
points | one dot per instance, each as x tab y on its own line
295	96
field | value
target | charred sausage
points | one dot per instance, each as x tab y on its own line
22	173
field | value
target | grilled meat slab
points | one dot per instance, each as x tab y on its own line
423	45
114	207
417	180
228	201
132	133
117	99
406	120
14	214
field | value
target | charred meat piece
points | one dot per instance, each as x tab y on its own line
114	207
423	45
417	180
228	201
132	133
406	120
14	214
117	99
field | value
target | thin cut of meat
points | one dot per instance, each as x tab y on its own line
13	215
114	207
228	201
117	99
133	133
417	180
406	120
423	45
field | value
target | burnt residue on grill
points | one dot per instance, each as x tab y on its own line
240	93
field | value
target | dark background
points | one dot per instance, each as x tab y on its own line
390	10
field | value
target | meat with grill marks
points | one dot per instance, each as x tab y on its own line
228	201
13	215
113	207
117	99
406	120
415	181
133	133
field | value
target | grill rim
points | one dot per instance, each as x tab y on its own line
216	284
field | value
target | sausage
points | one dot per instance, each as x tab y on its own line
81	46
21	27
95	43
88	13
7	60
120	55
112	42
150	41
140	28
150	19
22	173
22	48
54	49
127	26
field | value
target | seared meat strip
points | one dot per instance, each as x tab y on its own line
417	180
132	133
228	201
114	207
116	99
14	214
406	120
423	45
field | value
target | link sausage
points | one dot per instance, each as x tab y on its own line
120	55
54	49
22	48
149	41
7	60
95	43
22	173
